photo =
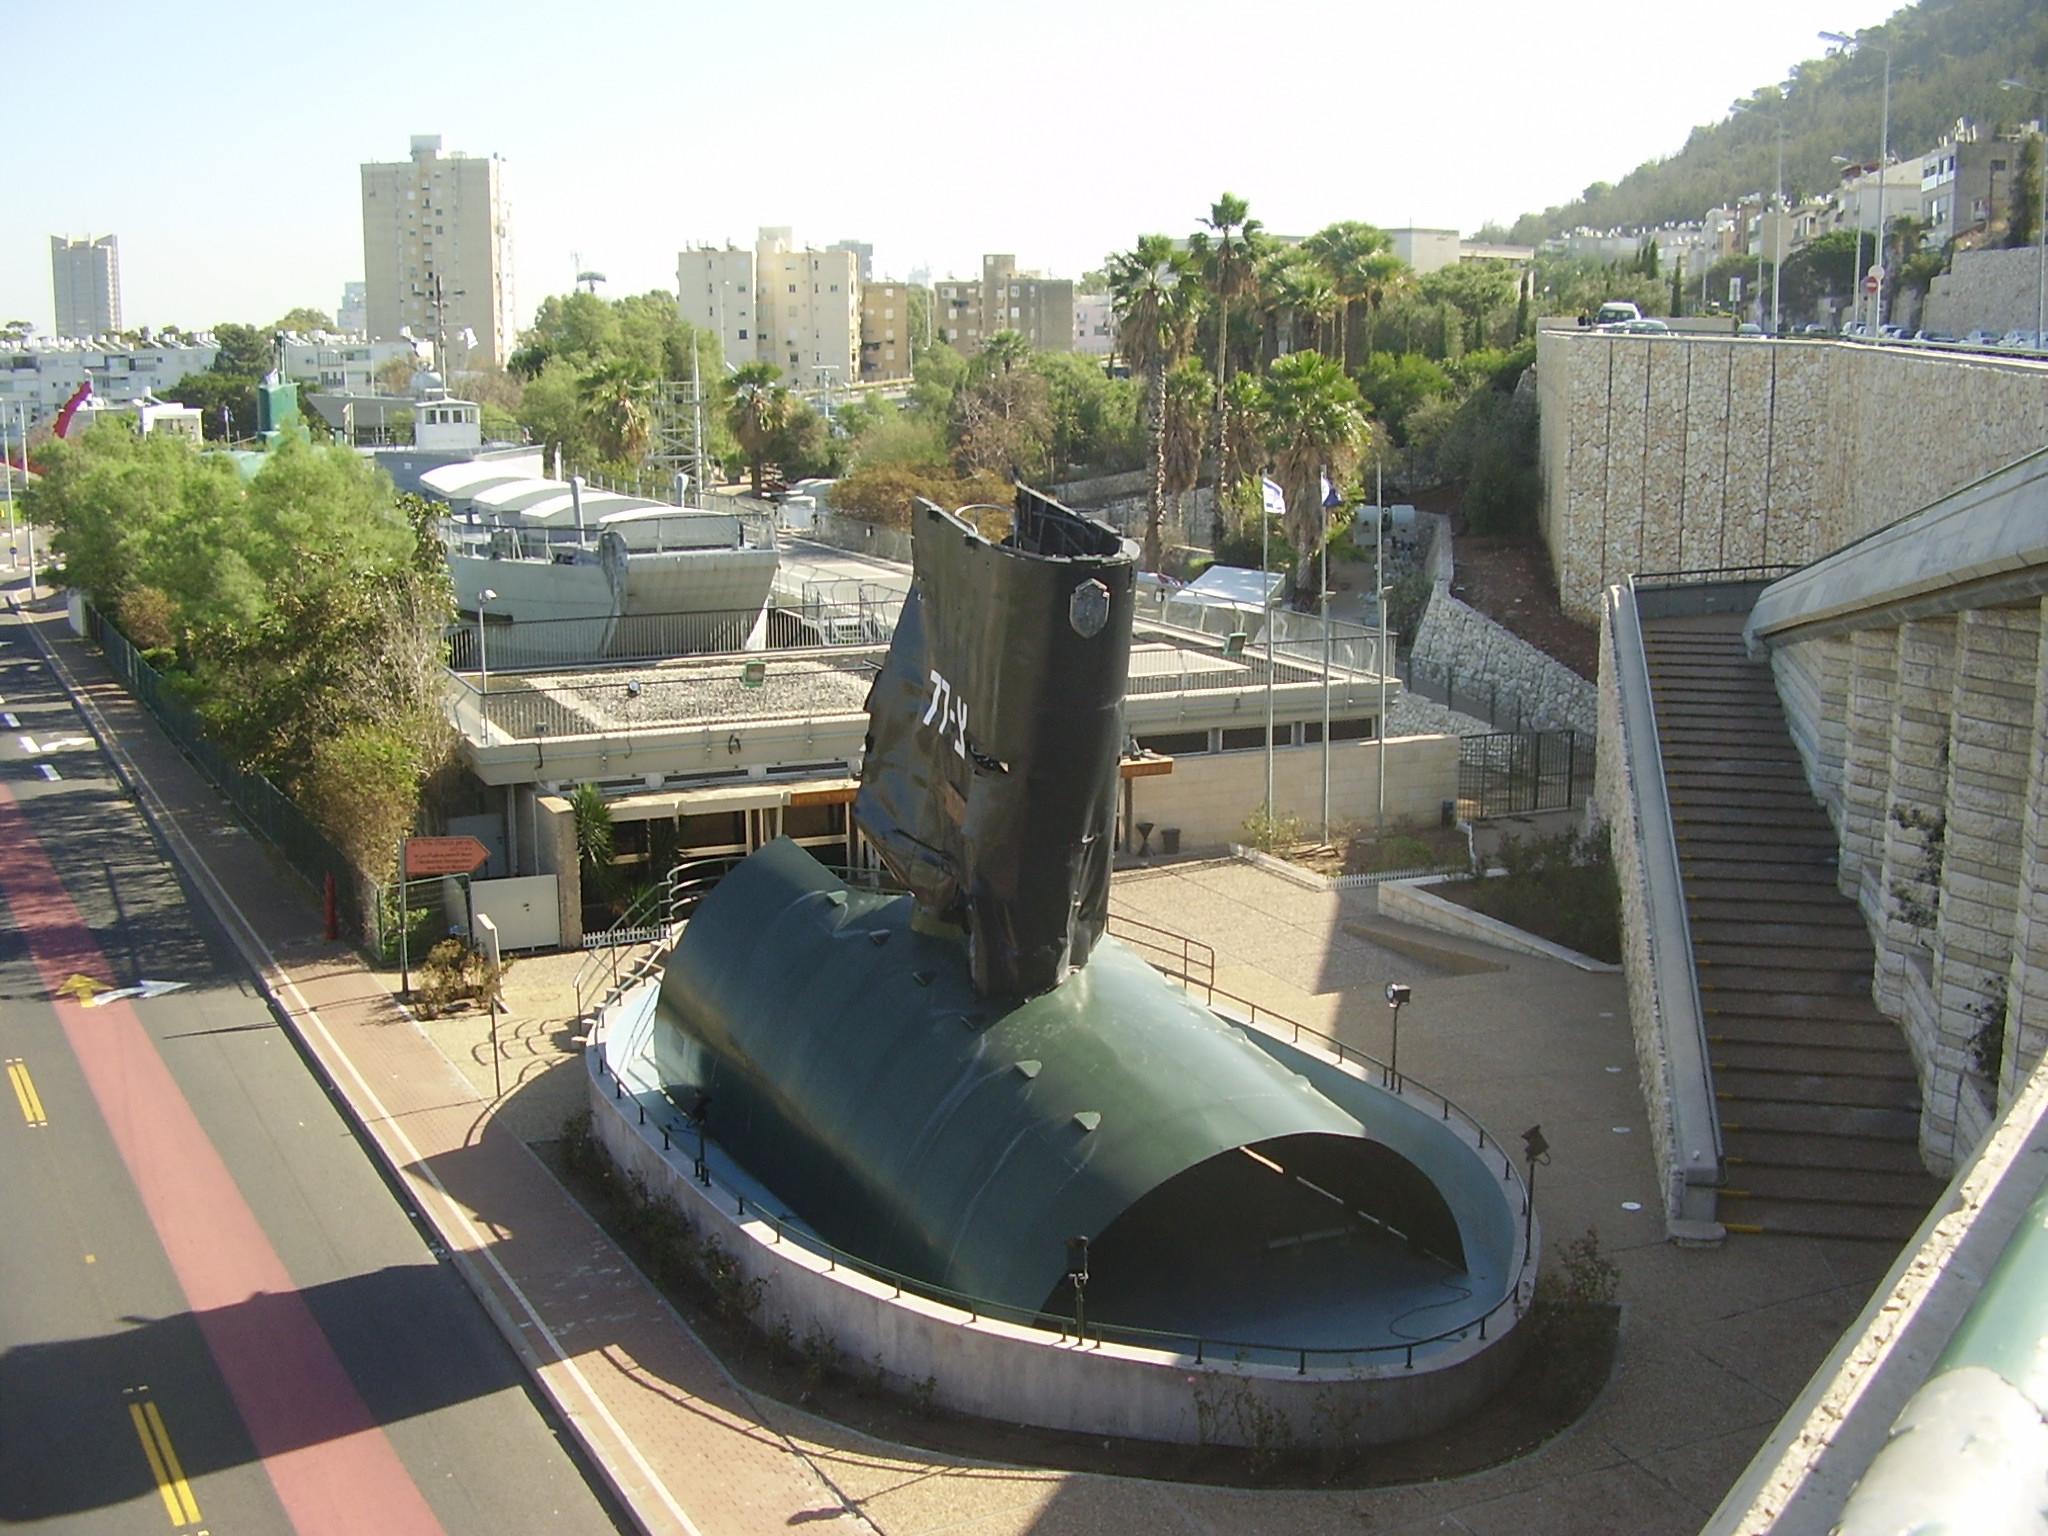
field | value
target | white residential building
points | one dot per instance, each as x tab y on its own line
45	372
1094	324
86	278
795	307
437	254
346	364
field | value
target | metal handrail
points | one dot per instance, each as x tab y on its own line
1199	1346
1195	956
1695	1152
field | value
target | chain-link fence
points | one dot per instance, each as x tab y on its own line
1513	773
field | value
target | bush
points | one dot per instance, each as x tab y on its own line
454	973
884	493
1560	888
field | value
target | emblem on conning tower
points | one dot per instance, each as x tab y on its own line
1088	609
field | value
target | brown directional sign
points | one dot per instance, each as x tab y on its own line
443	855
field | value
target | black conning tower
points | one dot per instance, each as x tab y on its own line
989	785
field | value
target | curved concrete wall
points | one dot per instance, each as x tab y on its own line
1667	453
1022	1375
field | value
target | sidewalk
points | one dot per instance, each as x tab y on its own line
1716	1344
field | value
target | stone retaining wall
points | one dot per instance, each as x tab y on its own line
1699	452
1456	639
1986	291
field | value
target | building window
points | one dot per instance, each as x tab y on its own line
743	333
1176	743
1246	738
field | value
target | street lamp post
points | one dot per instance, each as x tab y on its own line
1884	164
2040	223
483	659
1397	994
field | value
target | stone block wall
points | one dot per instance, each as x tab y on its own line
1456	638
1987	290
1943	820
1708	452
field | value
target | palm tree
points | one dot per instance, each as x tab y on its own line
1360	262
1000	353
613	396
757	408
1230	253
1155	315
1315	427
1302	292
1188	397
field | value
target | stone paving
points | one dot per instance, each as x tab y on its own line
1715	1343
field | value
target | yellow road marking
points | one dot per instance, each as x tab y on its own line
83	988
163	1464
25	1092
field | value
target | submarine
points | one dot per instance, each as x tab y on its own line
956	1073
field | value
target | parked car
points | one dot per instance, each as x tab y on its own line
1814	330
1981	339
1856	329
1749	328
1617	312
2019	339
1891	332
1650	327
1934	338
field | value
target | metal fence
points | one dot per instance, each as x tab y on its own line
262	805
1512	773
809	621
1481	698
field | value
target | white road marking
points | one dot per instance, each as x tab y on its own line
49	772
12	723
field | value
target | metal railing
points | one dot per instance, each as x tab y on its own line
1694	1154
833	684
264	807
673	1122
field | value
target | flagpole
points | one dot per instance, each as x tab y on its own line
1326	668
1379	583
1266	612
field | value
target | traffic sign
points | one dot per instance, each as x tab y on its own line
1870	283
443	855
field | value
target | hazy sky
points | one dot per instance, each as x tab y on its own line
221	144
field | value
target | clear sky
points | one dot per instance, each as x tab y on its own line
221	143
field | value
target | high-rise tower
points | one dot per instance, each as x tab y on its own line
437	248
86	275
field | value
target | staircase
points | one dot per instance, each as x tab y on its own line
1819	1105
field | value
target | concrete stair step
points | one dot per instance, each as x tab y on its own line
1769	910
1816	925
1894	1154
1889	1225
1692	797
1734	1056
1914	1190
1783	981
1857	1039
1743	1086
1763	1008
1853	1120
1848	956
1809	892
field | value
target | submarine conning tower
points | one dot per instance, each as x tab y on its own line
990	777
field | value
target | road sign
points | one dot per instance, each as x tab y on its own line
1870	283
443	855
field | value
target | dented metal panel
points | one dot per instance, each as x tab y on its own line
989	784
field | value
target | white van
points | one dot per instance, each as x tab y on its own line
1617	312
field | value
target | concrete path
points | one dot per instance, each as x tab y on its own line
1715	1344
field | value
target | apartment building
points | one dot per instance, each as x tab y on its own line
86	277
1094	324
437	259
42	374
885	337
792	306
1039	308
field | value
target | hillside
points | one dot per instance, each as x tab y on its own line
1947	59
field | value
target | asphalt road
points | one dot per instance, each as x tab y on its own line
215	1315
